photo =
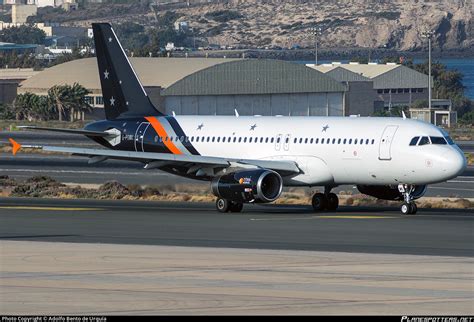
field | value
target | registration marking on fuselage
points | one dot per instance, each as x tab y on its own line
49	208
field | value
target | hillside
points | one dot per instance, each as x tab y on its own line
393	24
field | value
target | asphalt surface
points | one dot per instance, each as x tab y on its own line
358	230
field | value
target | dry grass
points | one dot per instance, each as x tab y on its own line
45	187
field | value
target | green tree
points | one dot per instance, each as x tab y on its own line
68	100
23	35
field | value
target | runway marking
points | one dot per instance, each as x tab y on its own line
325	217
446	188
49	208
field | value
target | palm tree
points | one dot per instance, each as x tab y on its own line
69	99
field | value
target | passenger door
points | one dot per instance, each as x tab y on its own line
278	142
139	135
386	142
286	145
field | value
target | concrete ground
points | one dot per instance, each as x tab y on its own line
71	278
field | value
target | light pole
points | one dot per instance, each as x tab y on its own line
428	34
316	31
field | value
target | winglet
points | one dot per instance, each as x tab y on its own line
403	115
16	146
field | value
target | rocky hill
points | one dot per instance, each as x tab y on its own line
353	23
392	24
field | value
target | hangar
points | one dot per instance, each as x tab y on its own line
208	86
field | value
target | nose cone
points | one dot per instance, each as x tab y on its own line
455	163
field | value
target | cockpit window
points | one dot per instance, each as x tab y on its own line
414	140
449	140
424	140
437	140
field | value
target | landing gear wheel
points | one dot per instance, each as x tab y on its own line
414	208
406	208
332	202
319	202
236	207
222	205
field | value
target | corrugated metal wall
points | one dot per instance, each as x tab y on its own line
295	104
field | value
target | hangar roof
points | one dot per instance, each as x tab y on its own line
254	76
384	75
153	72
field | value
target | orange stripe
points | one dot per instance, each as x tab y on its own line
162	133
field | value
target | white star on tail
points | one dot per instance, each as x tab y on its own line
112	101
106	74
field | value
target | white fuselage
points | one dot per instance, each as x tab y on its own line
331	150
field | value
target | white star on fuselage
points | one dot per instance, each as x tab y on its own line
110	39
112	101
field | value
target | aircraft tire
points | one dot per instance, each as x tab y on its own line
406	208
319	202
236	207
223	205
332	202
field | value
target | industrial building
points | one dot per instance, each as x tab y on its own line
208	86
9	80
375	87
395	85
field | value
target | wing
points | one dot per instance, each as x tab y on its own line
199	165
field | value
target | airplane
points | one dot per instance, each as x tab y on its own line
249	159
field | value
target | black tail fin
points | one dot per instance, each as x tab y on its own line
124	96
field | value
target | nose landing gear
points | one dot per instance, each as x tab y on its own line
409	206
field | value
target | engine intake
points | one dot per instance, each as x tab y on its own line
390	192
248	186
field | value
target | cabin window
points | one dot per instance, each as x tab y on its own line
306	141
333	141
328	141
339	141
272	140
208	138
373	141
317	140
350	141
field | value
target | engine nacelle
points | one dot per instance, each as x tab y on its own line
390	192
248	186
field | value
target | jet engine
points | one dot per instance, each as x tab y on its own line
390	192
248	186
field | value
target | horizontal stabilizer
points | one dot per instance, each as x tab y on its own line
70	131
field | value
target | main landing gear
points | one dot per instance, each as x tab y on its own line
325	201
224	205
409	206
